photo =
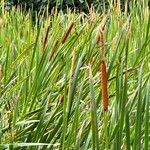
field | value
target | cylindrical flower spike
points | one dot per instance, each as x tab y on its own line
67	32
103	69
46	38
104	86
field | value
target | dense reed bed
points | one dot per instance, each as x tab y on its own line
75	81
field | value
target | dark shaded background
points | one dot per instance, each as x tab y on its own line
80	5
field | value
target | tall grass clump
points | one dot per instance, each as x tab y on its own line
75	80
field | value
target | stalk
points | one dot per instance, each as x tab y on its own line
71	79
67	107
94	123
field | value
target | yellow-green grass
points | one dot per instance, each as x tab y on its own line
51	98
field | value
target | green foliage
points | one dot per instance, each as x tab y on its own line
48	100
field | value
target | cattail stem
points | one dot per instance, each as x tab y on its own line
102	42
70	81
73	63
46	38
66	34
72	69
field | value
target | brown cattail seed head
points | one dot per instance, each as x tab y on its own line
46	38
66	34
104	81
104	86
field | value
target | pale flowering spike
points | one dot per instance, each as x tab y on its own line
1	70
1	22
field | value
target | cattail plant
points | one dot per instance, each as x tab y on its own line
45	95
104	80
66	34
46	38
